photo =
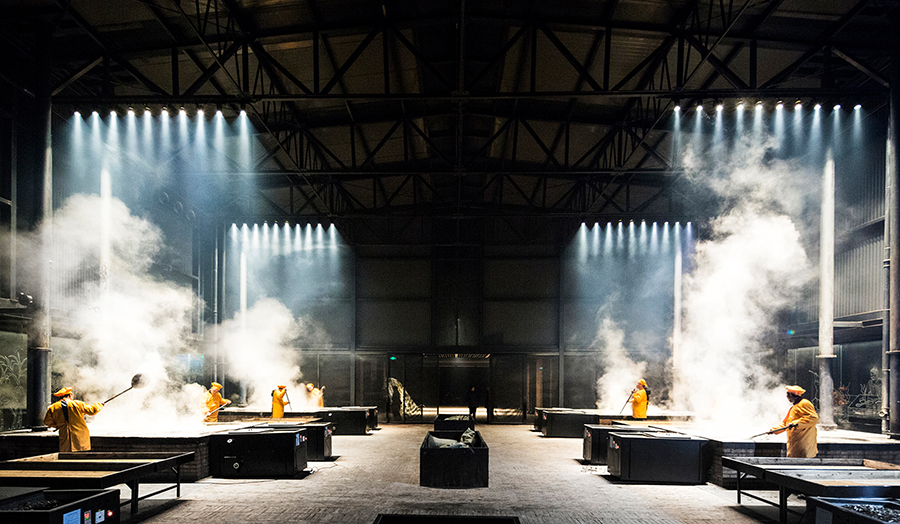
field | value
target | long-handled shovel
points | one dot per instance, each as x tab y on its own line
775	430
136	382
288	400
626	402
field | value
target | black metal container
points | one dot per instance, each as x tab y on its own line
346	420
59	506
465	467
854	510
670	458
596	440
445	423
260	452
567	423
318	440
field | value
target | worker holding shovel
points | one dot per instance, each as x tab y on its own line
279	401
67	415
214	402
800	424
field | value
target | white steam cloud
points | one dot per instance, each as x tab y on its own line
621	373
259	353
753	265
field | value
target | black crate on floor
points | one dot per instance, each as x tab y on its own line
567	423
445	423
259	452
465	467
318	440
853	510
596	440
670	458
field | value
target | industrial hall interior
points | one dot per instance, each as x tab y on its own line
449	261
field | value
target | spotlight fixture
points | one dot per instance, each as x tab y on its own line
77	113
837	106
677	108
147	109
719	106
165	110
112	112
817	106
779	105
740	105
857	106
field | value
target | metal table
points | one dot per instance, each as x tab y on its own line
93	470
817	477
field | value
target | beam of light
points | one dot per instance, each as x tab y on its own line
266	239
836	142
643	238
582	249
147	137
758	122
320	235
595	240
718	127
219	160
815	133
608	240
201	149
739	119
665	237
308	237
778	130
165	135
184	139
131	145
298	238
676	137
244	156
632	240
799	128
254	237
856	129
654	239
77	147
620	237
697	140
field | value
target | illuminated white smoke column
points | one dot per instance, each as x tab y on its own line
258	352
753	265
621	372
123	322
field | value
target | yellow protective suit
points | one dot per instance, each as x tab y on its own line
278	402
69	420
639	404
213	402
801	440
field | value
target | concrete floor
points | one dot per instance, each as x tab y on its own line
537	479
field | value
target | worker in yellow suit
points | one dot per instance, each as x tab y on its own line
640	397
800	424
67	415
278	401
214	401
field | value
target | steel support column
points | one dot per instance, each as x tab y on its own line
894	217
37	396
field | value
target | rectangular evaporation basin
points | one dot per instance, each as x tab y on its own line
442	519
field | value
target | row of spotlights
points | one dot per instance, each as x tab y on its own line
759	105
165	110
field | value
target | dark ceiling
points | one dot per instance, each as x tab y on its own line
403	121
